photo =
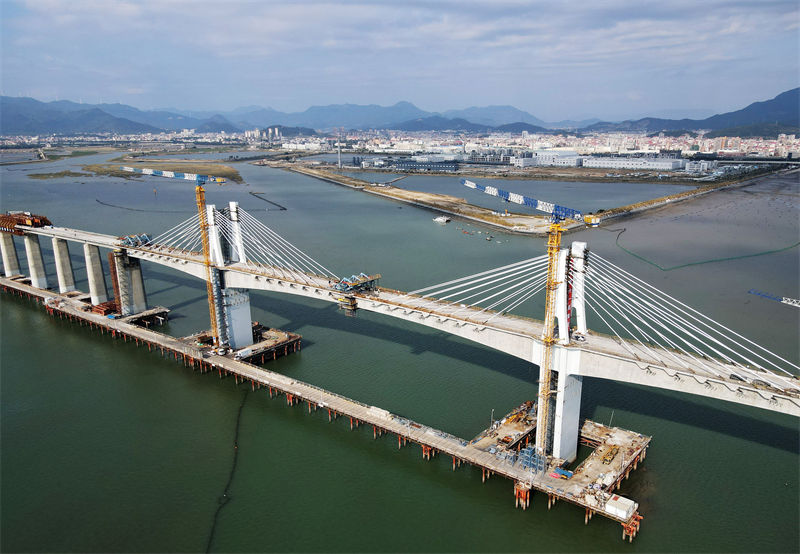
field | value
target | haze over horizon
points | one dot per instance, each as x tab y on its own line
621	60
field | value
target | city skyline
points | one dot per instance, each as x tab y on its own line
616	62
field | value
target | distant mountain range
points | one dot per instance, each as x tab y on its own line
26	116
784	109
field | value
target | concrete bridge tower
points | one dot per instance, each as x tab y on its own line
234	319
566	381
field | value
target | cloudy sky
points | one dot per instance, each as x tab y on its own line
609	59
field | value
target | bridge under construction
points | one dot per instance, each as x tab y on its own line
657	340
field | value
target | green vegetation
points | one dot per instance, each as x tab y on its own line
184	166
73	154
65	173
106	170
678	133
763	130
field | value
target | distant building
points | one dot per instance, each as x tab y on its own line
523	162
664	164
700	166
408	165
558	158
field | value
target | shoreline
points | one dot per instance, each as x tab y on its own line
515	223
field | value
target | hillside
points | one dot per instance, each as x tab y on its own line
494	115
439	123
783	109
763	130
26	116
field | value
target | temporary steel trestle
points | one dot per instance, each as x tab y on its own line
294	392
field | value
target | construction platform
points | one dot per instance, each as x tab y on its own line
508	433
616	452
268	344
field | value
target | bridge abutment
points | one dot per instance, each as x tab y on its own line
9	252
64	272
94	272
33	250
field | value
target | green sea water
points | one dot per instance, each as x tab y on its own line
106	447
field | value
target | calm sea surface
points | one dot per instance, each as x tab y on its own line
106	447
585	197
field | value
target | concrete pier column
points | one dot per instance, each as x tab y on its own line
94	270
237	317
33	250
9	251
132	297
568	412
138	294
66	277
567	404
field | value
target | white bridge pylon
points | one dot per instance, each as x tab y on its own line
237	239
235	236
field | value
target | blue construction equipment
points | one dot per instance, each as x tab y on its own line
200	179
135	240
557	213
358	282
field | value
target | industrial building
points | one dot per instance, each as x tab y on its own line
406	165
664	164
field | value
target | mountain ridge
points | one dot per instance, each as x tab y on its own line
782	109
30	116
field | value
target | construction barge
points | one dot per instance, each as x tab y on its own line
502	449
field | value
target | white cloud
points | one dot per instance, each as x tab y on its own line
485	49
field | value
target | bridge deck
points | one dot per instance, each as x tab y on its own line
602	356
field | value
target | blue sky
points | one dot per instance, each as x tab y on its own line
608	59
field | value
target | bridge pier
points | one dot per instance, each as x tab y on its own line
94	272
9	252
64	272
566	428
132	296
33	250
237	316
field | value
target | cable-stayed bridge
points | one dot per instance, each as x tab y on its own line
649	338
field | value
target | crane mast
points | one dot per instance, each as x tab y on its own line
548	338
212	307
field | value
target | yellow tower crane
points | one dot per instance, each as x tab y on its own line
548	339
200	194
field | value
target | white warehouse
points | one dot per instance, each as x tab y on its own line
662	164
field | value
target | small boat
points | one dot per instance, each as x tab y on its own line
442	219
